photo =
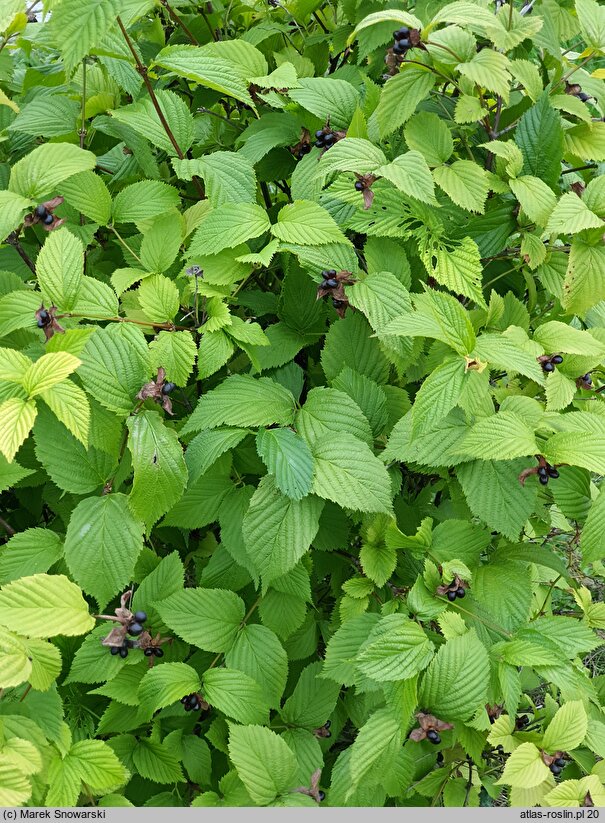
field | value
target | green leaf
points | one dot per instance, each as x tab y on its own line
567	729
399	97
582	449
241	400
592	541
307	224
438	395
143	118
571	215
503	436
229	176
161	242
228	225
175	352
456	682
258	652
524	768
536	198
236	694
410	174
207	618
264	762
49	370
592	22
288	458
102	544
41	171
540	137
327	98
18	417
12	207
208	70
313	699
76	30
159	298
347	473
43	605
494	494
278	530
156	761
488	69
139	201
378	740
160	473
465	183
164	685
457	267
29	552
87	193
396	649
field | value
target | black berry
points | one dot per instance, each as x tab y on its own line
401	33
399	48
135	629
328	140
305	148
433	736
327	724
543	479
185	699
548	367
123	652
140	617
321	795
40	211
556	359
168	387
149	652
319	144
451	596
542	471
555	769
522	721
587	379
338	304
114	650
319	134
41	324
48	219
559	761
359	185
460	592
583	96
158	652
552	472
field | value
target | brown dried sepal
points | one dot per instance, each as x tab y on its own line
304	144
457	583
343	278
153	391
313	789
549	759
50	324
494	712
123	616
426	723
368	195
588	801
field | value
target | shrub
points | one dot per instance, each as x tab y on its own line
302	326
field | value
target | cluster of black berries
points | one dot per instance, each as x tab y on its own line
43	214
191	702
167	388
402	40
324	138
136	627
123	649
329	281
454	593
154	651
44	319
575	89
546	472
433	736
521	722
548	365
557	765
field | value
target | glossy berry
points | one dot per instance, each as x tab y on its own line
114	650
331	283
556	770
359	185
327	734
158	652
168	387
451	596
552	472
433	736
559	761
587	379
140	617
41	324
548	367
305	148
321	795
40	211
327	724
319	134
48	219
123	652
542	471
543	479
149	652
185	699
135	629
328	140
337	303
460	592
401	33
556	359
583	96
399	49
319	144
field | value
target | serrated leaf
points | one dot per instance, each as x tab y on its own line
410	174
17	417
102	544
258	652
140	201
29	552
524	768
264	762
40	171
399	97
43	605
396	649
49	370
235	694
207	618
164	685
465	183
502	436
208	70
227	226
175	352
307	224
288	458
567	729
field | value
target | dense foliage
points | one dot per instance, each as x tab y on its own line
302	345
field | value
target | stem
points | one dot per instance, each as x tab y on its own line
143	71
7	528
510	14
125	244
204	110
13	240
548	594
191	37
322	26
266	196
445	48
82	127
149	323
213	34
251	610
580	168
573	71
108	487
